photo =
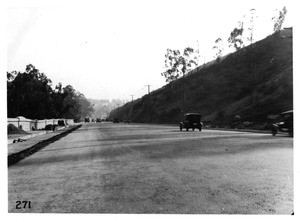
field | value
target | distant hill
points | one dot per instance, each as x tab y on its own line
244	86
103	107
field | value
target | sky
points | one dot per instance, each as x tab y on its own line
114	49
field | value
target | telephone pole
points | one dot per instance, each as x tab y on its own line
198	54
132	111
131	98
183	94
148	88
252	25
118	109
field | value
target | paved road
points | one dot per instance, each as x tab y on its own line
136	168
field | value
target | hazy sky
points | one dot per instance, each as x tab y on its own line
112	49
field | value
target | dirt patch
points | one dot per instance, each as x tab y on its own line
12	129
16	157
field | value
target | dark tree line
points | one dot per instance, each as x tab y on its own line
30	94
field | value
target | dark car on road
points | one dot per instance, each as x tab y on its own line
191	121
116	120
285	124
87	120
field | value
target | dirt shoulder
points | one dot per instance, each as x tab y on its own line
20	150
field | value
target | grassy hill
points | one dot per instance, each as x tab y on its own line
247	85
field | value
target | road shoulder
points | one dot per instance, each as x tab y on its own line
20	150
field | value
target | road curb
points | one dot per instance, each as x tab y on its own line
16	157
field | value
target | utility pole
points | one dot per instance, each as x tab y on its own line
198	53
131	98
148	88
132	111
118	109
183	94
148	104
252	21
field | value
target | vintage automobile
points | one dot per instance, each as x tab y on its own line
87	120
285	124
116	120
191	121
127	121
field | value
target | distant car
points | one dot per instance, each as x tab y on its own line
285	124
87	120
192	121
98	120
61	122
127	121
116	120
50	127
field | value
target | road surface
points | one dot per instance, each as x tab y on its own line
140	168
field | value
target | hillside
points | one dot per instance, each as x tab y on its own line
247	85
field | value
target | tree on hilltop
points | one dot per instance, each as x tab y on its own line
218	48
235	39
177	64
279	19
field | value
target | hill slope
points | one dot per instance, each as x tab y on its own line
247	85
